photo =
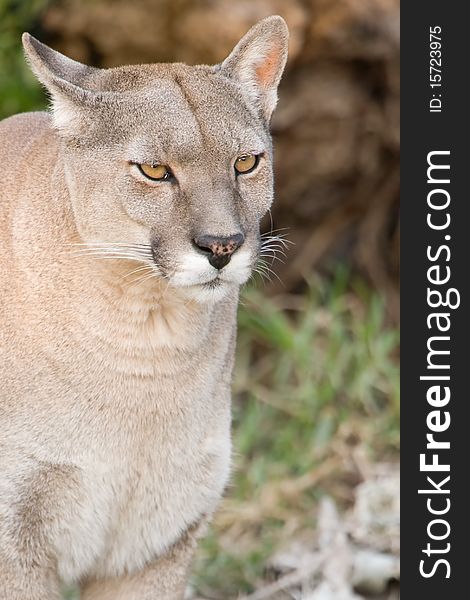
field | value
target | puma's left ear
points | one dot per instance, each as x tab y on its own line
65	80
258	60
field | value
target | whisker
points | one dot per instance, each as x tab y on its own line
141	253
109	245
263	277
274	231
261	268
273	259
141	280
262	264
112	256
277	240
271	218
166	287
142	268
275	247
280	236
114	250
267	269
273	251
103	252
257	277
131	254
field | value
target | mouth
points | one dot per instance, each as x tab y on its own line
212	284
208	292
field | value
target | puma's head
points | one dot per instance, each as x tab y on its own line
171	164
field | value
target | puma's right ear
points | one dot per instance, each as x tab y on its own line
258	60
64	80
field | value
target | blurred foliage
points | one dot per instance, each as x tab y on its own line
317	358
19	89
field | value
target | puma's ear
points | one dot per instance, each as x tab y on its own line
64	79
258	60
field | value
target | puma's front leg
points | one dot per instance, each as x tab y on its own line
164	579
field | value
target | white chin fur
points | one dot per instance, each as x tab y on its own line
195	273
204	294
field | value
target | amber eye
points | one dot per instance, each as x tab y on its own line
246	163
155	172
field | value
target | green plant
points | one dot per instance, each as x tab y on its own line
19	90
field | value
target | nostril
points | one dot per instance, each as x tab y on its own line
237	240
199	245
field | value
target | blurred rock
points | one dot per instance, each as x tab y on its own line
372	571
375	518
351	554
337	126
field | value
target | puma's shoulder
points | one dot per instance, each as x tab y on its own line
28	151
19	131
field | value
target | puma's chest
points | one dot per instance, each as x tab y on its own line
140	501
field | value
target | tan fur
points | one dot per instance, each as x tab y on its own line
116	339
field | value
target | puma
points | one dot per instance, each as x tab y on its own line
129	218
